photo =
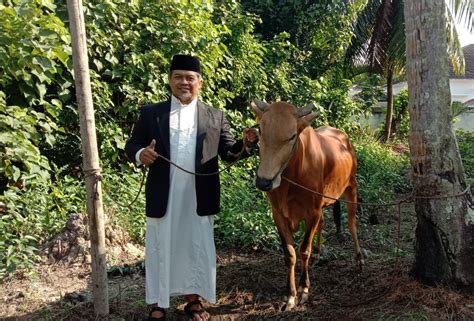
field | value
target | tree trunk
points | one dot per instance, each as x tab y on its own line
90	157
389	115
444	247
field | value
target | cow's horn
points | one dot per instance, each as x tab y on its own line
306	110
260	104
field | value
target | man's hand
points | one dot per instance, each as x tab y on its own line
148	155
251	137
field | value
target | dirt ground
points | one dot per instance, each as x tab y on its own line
251	285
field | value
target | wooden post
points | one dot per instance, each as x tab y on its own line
90	157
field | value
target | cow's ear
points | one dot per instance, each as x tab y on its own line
306	121
259	107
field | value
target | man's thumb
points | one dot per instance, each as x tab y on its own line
152	144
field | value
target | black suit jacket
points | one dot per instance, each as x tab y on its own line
213	139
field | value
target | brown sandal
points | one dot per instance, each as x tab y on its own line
153	309
192	312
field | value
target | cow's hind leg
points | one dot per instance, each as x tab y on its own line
305	252
336	214
317	250
290	258
350	195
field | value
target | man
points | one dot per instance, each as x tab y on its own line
180	256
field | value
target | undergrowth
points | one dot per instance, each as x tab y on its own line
39	210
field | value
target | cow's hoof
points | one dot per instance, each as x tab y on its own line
290	304
287	307
360	260
303	298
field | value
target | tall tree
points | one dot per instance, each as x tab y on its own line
445	229
379	41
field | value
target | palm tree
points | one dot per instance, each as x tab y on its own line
379	42
445	229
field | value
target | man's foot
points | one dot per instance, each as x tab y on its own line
155	313
195	311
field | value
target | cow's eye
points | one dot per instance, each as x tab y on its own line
292	137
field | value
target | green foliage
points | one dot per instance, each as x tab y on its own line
381	173
378	40
466	149
319	29
371	91
339	109
20	132
331	38
401	116
34	58
457	109
400	119
33	215
39	211
34	88
305	55
245	220
120	188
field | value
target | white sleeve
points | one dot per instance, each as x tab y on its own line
137	157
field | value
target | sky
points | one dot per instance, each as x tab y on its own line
465	37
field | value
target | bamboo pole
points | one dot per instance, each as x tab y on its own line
90	157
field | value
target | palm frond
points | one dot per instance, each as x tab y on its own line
377	49
362	30
379	35
454	46
462	12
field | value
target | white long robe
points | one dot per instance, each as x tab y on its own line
180	253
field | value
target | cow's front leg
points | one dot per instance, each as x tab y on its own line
290	259
305	253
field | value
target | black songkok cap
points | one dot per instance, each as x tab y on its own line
185	62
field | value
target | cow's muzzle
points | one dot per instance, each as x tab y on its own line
263	184
267	185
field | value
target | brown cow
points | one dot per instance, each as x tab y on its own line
321	160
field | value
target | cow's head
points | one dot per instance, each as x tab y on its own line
280	126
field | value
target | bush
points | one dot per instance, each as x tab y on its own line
466	149
401	117
245	220
120	189
40	211
381	173
34	214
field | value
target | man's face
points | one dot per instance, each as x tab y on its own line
185	85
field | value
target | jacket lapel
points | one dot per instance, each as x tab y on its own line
163	120
202	126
